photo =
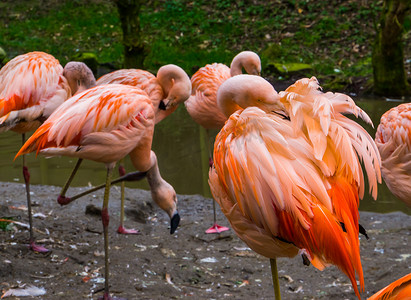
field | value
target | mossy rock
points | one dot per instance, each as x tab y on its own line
272	51
89	58
289	69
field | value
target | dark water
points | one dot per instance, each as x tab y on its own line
183	160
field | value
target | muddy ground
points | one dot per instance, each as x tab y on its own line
186	265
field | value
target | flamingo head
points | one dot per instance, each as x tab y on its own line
79	76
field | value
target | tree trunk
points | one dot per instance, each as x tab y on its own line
134	46
390	78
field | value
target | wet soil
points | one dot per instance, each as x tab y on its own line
186	265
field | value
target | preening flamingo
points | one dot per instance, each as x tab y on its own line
166	91
398	290
32	86
287	171
104	124
393	139
202	105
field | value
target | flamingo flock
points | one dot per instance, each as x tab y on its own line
288	168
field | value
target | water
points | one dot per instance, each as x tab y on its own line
179	148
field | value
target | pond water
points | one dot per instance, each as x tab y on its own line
182	155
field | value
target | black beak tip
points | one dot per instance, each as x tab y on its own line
162	106
175	221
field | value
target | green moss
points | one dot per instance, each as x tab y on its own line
326	35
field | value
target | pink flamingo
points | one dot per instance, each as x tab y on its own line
32	86
104	124
166	91
287	172
202	105
393	139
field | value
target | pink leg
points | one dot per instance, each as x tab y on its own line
216	228
105	219
121	229
26	175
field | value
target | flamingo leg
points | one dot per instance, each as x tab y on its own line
62	199
132	176
205	135
121	229
276	282
105	220
33	246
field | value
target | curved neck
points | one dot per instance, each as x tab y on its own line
153	174
236	67
175	83
243	91
227	104
167	76
247	60
162	193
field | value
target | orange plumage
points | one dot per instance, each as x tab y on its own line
104	124
171	86
32	86
393	138
202	105
118	116
32	82
288	183
398	290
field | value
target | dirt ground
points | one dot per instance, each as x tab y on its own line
187	265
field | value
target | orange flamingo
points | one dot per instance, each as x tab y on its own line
287	172
104	124
398	290
166	91
393	139
202	105
32	86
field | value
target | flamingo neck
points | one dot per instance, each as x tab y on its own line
236	67
153	174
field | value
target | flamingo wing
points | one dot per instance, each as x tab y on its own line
32	79
104	124
202	105
393	139
322	117
269	176
138	78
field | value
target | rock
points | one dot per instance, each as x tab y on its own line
90	59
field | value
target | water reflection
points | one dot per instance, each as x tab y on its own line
179	150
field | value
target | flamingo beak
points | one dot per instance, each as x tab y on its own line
175	220
162	105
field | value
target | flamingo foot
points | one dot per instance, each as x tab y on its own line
122	230
63	200
216	229
37	248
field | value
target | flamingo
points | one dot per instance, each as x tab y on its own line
104	124
398	290
287	172
393	139
166	91
32	86
202	105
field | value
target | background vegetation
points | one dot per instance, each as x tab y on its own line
334	38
